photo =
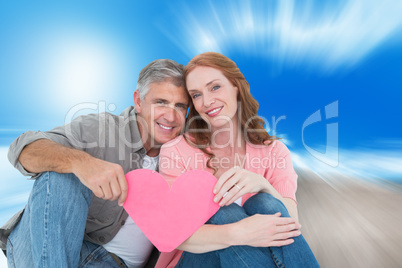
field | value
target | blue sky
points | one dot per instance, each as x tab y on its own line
298	58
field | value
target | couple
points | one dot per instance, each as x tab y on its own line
74	216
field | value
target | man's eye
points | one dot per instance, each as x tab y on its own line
216	88
181	106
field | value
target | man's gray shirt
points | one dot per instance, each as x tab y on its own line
105	136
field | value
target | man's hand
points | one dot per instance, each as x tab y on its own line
105	179
265	231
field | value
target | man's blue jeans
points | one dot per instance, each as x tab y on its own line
298	254
51	230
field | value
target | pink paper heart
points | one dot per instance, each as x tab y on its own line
169	216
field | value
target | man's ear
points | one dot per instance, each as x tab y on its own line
137	101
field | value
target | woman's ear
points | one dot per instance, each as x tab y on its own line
137	101
238	93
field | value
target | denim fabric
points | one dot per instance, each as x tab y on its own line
51	230
93	255
297	254
105	136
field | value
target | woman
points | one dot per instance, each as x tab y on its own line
257	224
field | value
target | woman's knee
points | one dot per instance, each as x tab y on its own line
264	203
228	214
208	259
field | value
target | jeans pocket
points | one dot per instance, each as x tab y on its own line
10	256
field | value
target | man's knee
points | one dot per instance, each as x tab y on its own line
68	181
264	203
66	187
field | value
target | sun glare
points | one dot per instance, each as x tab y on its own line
83	69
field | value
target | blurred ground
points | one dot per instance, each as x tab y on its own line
349	222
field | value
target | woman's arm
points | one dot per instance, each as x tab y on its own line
256	231
247	182
279	181
289	203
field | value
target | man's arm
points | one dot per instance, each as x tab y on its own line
105	179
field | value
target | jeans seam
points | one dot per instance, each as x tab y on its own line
45	221
235	251
181	258
10	253
93	254
277	262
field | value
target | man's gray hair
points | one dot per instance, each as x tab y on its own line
163	70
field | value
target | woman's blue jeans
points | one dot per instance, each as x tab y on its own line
51	230
298	254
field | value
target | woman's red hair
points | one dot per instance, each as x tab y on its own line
252	126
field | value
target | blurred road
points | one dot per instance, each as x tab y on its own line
350	223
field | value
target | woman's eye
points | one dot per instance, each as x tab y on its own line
196	96
216	87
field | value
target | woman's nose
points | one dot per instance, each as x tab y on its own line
208	101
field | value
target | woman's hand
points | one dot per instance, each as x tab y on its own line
265	231
237	182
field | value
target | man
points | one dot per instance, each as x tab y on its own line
74	216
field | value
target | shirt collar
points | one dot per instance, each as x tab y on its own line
132	130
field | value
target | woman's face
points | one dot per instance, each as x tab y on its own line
213	95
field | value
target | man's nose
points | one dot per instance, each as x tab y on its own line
170	114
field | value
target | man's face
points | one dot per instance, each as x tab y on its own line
162	113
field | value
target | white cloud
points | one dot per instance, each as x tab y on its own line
15	189
288	32
82	66
3	260
11	130
283	137
363	163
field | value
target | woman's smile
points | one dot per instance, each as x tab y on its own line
214	112
213	95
